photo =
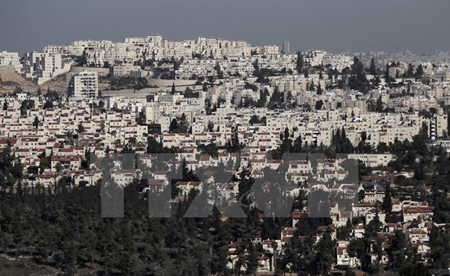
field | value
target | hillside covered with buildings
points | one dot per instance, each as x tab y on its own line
228	158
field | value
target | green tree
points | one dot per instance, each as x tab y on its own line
81	129
419	72
372	68
319	104
300	62
379	106
386	206
36	122
319	89
358	80
324	254
410	72
173	127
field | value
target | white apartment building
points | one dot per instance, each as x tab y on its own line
270	49
83	84
373	160
10	59
42	67
50	65
126	71
338	62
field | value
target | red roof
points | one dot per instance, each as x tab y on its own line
67	158
155	182
191	183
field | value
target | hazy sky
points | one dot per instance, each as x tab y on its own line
334	25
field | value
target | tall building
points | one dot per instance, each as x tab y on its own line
41	67
12	60
83	84
286	47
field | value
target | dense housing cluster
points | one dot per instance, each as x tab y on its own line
254	127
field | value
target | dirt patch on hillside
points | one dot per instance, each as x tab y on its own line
10	80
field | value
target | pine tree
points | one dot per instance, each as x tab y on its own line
252	260
312	86
173	127
319	105
386	206
419	72
300	62
379	107
297	144
358	80
410	71
36	122
372	68
319	89
184	125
